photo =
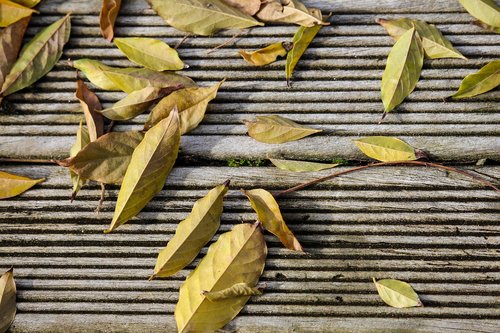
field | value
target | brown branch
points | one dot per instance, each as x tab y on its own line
179	43
20	160
231	40
419	163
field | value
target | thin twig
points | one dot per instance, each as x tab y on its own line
101	200
420	163
232	39
179	43
20	160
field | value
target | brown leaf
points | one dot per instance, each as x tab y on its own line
107	17
7	300
10	42
290	11
250	7
90	104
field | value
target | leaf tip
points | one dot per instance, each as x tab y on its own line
227	183
152	277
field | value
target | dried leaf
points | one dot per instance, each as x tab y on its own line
191	103
7	300
82	139
27	3
487	26
386	149
277	129
486	79
38	56
149	167
268	54
150	53
202	17
250	7
289	11
136	102
90	105
485	11
192	233
11	12
236	290
106	159
107	17
12	185
269	214
397	294
301	40
238	256
402	70
10	43
300	166
434	43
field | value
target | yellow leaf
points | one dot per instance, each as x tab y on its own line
290	11
7	300
269	214
236	290
397	294
486	11
12	185
267	54
386	149
300	166
192	233
486	79
277	129
301	40
27	3
11	12
82	139
238	256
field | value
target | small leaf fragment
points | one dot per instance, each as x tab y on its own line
13	185
300	166
250	7
107	17
397	294
486	79
90	105
266	55
288	11
386	149
487	26
10	42
7	300
277	129
269	215
236	290
192	233
150	53
11	12
238	256
301	40
149	167
82	139
486	11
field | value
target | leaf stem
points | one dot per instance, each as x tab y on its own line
20	160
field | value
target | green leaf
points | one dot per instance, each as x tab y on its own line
238	256
107	17
149	167
300	166
7	300
11	12
38	56
106	159
386	149
277	129
90	106
10	43
266	55
485	11
397	294
13	185
301	40
291	11
434	43
486	79
82	139
192	233
150	53
202	17
191	102
236	290
402	70
269	214
136	103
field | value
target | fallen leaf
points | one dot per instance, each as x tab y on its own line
402	70
397	294
487	26
136	103
434	43
301	40
38	56
192	233
386	149
300	166
27	3
107	17
150	53
236	290
485	11
289	11
486	79
238	256
277	129
191	102
7	300
12	185
202	17
269	214
11	12
90	105
250	7
106	159
149	167
268	54
10	43
82	139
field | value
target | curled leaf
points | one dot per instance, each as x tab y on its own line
82	139
301	40
13	185
269	215
151	163
289	11
107	17
486	11
238	256
236	290
90	105
277	129
192	233
11	12
397	294
386	149
7	300
486	79
10	43
266	55
300	166
250	7
191	102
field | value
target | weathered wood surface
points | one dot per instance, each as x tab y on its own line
435	229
